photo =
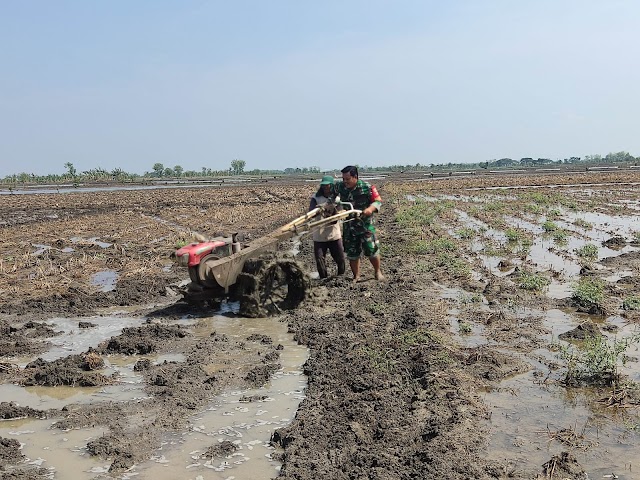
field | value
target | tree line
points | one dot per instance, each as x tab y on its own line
509	163
238	167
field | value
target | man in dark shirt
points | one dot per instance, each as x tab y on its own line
359	235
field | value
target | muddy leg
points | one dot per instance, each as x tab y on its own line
320	252
337	252
355	268
375	262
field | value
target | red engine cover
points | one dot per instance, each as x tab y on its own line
194	252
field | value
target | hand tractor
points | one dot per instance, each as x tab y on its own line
264	282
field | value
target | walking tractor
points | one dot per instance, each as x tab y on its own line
264	282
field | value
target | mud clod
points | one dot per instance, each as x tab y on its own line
581	332
9	452
12	410
223	449
565	466
142	340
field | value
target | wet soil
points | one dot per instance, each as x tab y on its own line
392	392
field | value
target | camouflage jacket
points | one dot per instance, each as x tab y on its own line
361	196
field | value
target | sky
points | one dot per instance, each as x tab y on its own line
296	83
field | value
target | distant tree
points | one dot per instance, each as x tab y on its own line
237	166
505	162
178	170
118	174
618	157
158	169
544	161
526	161
71	170
593	158
168	172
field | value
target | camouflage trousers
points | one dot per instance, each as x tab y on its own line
360	238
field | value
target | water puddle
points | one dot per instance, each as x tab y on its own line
537	417
245	418
241	421
549	186
105	279
91	241
533	422
76	339
45	248
465	333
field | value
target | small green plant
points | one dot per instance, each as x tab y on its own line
493	206
419	337
491	250
513	234
532	281
467	299
423	267
596	361
537	197
570	204
526	245
376	308
554	213
443	359
549	226
422	213
466	233
631	303
560	236
581	222
377	359
587	252
181	243
588	294
457	266
437	245
474	211
464	328
533	208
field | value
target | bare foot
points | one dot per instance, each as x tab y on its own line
379	276
355	280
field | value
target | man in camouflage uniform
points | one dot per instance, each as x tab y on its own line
359	235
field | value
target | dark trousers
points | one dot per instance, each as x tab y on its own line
337	252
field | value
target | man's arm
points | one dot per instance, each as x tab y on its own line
313	204
375	202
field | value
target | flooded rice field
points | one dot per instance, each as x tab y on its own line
503	343
575	252
236	425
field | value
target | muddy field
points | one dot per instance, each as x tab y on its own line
503	342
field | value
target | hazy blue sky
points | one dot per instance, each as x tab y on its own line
292	83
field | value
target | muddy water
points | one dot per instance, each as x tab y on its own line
526	418
244	418
530	412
